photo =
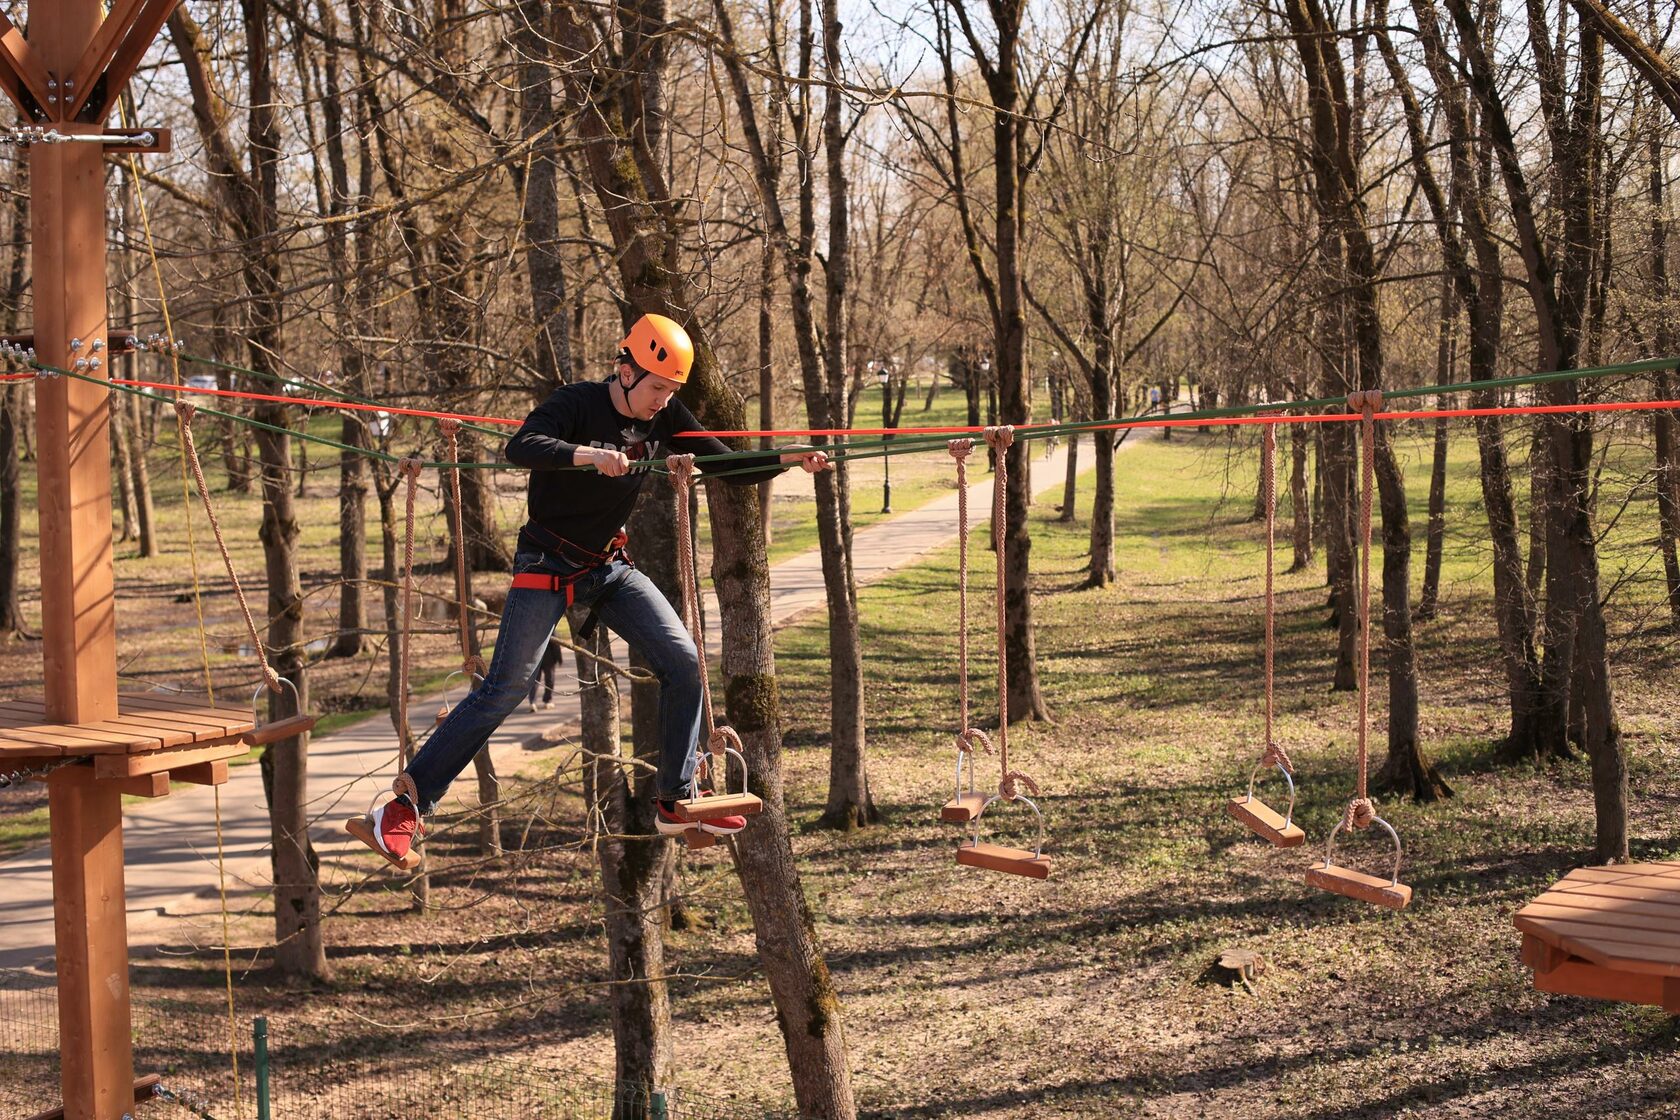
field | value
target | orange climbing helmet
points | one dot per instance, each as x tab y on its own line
660	346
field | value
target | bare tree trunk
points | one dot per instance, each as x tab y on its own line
119	466
766	371
636	204
253	195
1300	504
1070	486
822	365
631	858
11	516
545	266
1100	571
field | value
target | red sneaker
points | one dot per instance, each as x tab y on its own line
389	830
668	823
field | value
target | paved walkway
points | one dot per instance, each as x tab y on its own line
170	843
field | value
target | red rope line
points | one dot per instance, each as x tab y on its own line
1021	430
314	402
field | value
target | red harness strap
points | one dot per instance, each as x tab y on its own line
548	581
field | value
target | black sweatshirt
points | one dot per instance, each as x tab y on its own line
585	507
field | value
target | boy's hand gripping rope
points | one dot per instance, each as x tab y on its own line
718	739
1000	438
966	736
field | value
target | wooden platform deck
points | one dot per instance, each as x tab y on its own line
156	737
1608	933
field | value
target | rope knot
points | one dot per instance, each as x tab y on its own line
960	449
681	468
1360	813
411	465
474	666
1000	436
1275	755
271	679
967	739
185	410
403	785
449	426
1006	787
723	738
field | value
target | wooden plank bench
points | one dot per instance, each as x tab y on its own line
1608	933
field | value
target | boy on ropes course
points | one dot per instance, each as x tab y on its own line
571	552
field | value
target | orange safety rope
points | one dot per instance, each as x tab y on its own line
1274	754
183	419
966	736
1360	811
682	480
409	469
313	402
471	663
1000	438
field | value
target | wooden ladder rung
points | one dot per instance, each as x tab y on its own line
711	808
1011	861
698	838
1265	822
288	728
1356	884
362	829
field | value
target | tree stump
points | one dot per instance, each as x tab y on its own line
1238	966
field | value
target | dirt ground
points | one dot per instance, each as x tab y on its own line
967	994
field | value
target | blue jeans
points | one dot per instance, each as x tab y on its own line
632	607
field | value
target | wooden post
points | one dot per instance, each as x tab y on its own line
77	581
91	933
67	182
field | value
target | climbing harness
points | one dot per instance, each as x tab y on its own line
964	806
972	852
1361	813
1261	819
721	741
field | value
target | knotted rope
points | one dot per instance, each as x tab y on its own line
1000	438
966	736
1274	754
1360	812
471	663
718	739
183	421
409	469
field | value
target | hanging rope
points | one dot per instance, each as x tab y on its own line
1000	438
718	739
471	663
1274	754
967	736
1360	811
409	469
183	421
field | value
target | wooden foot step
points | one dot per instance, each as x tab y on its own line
698	838
1265	822
962	809
711	808
1356	884
1011	861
